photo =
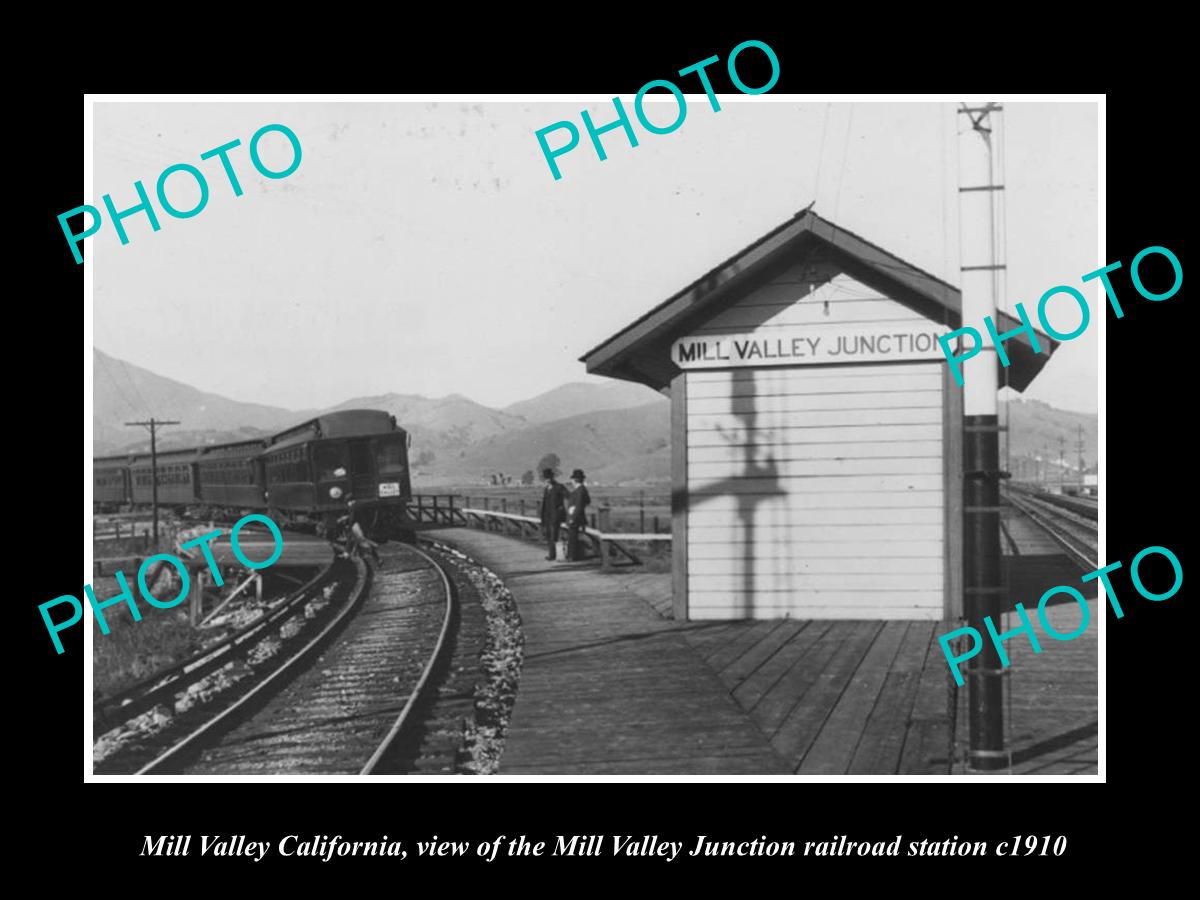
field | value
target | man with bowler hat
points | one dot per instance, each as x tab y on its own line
553	511
577	504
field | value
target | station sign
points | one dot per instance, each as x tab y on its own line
808	345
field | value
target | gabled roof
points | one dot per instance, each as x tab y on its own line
641	351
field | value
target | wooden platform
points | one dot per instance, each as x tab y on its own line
828	697
838	697
905	707
834	697
609	686
608	678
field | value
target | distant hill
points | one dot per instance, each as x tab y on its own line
618	433
1034	431
441	425
579	397
123	392
610	445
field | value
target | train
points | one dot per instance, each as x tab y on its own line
302	477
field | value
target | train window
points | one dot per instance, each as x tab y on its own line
327	458
360	458
285	467
389	456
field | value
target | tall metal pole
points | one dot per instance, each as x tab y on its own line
981	205
153	426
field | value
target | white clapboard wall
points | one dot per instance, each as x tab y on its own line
815	491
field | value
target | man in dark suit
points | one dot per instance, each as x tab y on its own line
577	504
554	511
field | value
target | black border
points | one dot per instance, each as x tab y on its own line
1146	477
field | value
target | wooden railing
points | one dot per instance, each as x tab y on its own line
607	544
437	509
112	531
523	507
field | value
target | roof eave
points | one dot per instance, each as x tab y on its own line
863	260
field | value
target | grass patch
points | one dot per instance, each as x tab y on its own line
133	650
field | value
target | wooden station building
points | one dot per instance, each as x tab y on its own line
816	429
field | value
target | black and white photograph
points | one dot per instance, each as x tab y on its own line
531	438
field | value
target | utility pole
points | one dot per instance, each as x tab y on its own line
152	425
982	265
1062	462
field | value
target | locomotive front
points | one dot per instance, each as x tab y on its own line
370	468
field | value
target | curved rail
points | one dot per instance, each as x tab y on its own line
390	738
189	742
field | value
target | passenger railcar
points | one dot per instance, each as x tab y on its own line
313	469
303	476
230	475
176	478
110	482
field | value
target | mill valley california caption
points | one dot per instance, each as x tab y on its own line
326	848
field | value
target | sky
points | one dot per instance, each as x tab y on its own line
425	248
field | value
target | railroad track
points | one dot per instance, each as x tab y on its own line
1085	506
342	697
1074	531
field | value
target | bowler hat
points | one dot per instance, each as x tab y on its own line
577	474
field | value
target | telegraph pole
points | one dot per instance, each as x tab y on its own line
152	425
1062	462
981	207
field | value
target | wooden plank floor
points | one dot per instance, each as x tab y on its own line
829	697
608	685
833	697
837	697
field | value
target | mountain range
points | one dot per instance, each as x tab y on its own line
619	433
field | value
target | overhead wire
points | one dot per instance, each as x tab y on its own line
837	198
944	192
821	153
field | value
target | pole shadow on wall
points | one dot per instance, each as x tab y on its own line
746	440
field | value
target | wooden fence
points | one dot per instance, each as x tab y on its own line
607	544
454	509
437	509
112	531
521	506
